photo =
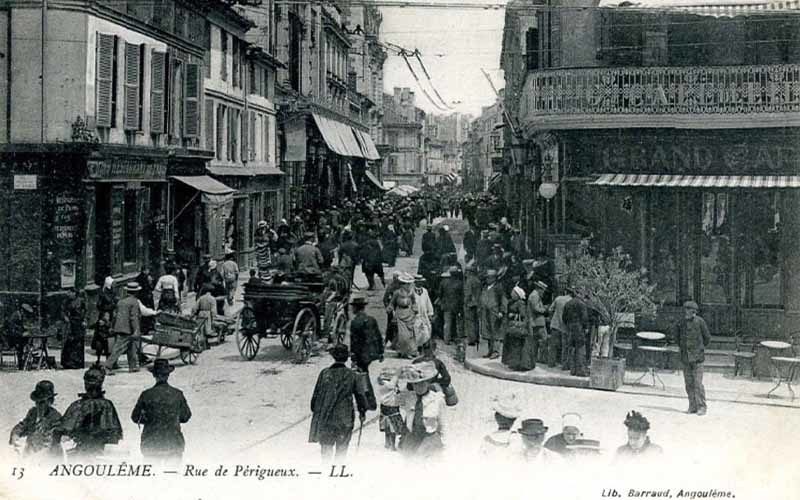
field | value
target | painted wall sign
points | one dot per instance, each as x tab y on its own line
25	182
67	218
125	169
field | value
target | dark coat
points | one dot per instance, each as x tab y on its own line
446	244
332	409
451	294
366	342
483	251
470	242
349	248
372	256
39	432
91	422
107	302
692	337
575	312
429	243
161	410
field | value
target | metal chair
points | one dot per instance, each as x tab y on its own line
8	355
745	352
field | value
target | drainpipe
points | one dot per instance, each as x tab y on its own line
44	76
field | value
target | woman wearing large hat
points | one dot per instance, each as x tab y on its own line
38	424
424	412
404	308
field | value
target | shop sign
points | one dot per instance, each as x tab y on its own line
66	224
25	182
295	140
67	273
125	169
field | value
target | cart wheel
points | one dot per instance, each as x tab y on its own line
248	320
188	356
340	327
286	340
247	341
305	328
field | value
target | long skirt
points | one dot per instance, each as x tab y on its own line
72	352
406	341
423	331
519	350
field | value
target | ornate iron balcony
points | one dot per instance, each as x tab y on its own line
662	96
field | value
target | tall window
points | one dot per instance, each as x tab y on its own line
220	133
532	49
758	228
716	250
295	57
224	51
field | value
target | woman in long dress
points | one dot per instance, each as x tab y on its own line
518	344
425	311
404	308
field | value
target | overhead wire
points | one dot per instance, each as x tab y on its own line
422	65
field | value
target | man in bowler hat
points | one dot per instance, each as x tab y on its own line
161	410
366	343
38	425
126	330
692	336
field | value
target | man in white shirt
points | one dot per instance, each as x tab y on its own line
168	289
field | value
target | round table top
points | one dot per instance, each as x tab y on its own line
786	360
775	344
653	348
650	335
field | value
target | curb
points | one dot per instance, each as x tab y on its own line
583	383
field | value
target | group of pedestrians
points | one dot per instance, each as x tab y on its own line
91	422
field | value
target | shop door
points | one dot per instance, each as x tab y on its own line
241	233
102	245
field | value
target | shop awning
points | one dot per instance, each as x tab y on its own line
374	180
367	145
699	181
213	191
339	137
247	170
715	8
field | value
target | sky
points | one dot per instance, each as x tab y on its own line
455	45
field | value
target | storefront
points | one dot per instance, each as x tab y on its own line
711	215
327	159
258	197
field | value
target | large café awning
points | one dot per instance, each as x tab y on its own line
699	181
714	8
345	140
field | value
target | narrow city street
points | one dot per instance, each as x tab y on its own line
257	412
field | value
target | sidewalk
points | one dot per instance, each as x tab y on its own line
719	386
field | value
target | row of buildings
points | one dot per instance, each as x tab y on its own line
132	132
420	148
671	130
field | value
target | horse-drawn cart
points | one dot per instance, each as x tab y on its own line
292	309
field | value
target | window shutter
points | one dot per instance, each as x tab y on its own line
191	104
157	77
224	50
252	141
235	62
104	79
555	41
207	46
131	95
210	143
253	87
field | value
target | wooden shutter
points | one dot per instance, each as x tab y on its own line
104	79
252	136
235	62
191	103
210	143
157	78
555	38
131	95
224	50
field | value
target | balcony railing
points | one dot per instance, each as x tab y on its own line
667	91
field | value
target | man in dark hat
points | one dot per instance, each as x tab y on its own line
92	421
366	343
307	257
161	410
126	330
451	303
533	431
372	260
536	314
39	423
494	306
230	276
333	414
429	240
639	444
692	337
470	243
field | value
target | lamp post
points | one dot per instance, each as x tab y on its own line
549	186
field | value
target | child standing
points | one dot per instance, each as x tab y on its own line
391	422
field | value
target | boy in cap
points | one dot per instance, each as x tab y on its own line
333	415
39	423
639	444
506	411
692	336
570	433
161	410
92	421
391	422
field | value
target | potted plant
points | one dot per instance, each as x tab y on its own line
613	288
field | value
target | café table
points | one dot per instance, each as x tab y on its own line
786	370
652	354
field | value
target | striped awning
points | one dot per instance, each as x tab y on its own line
714	8
699	181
